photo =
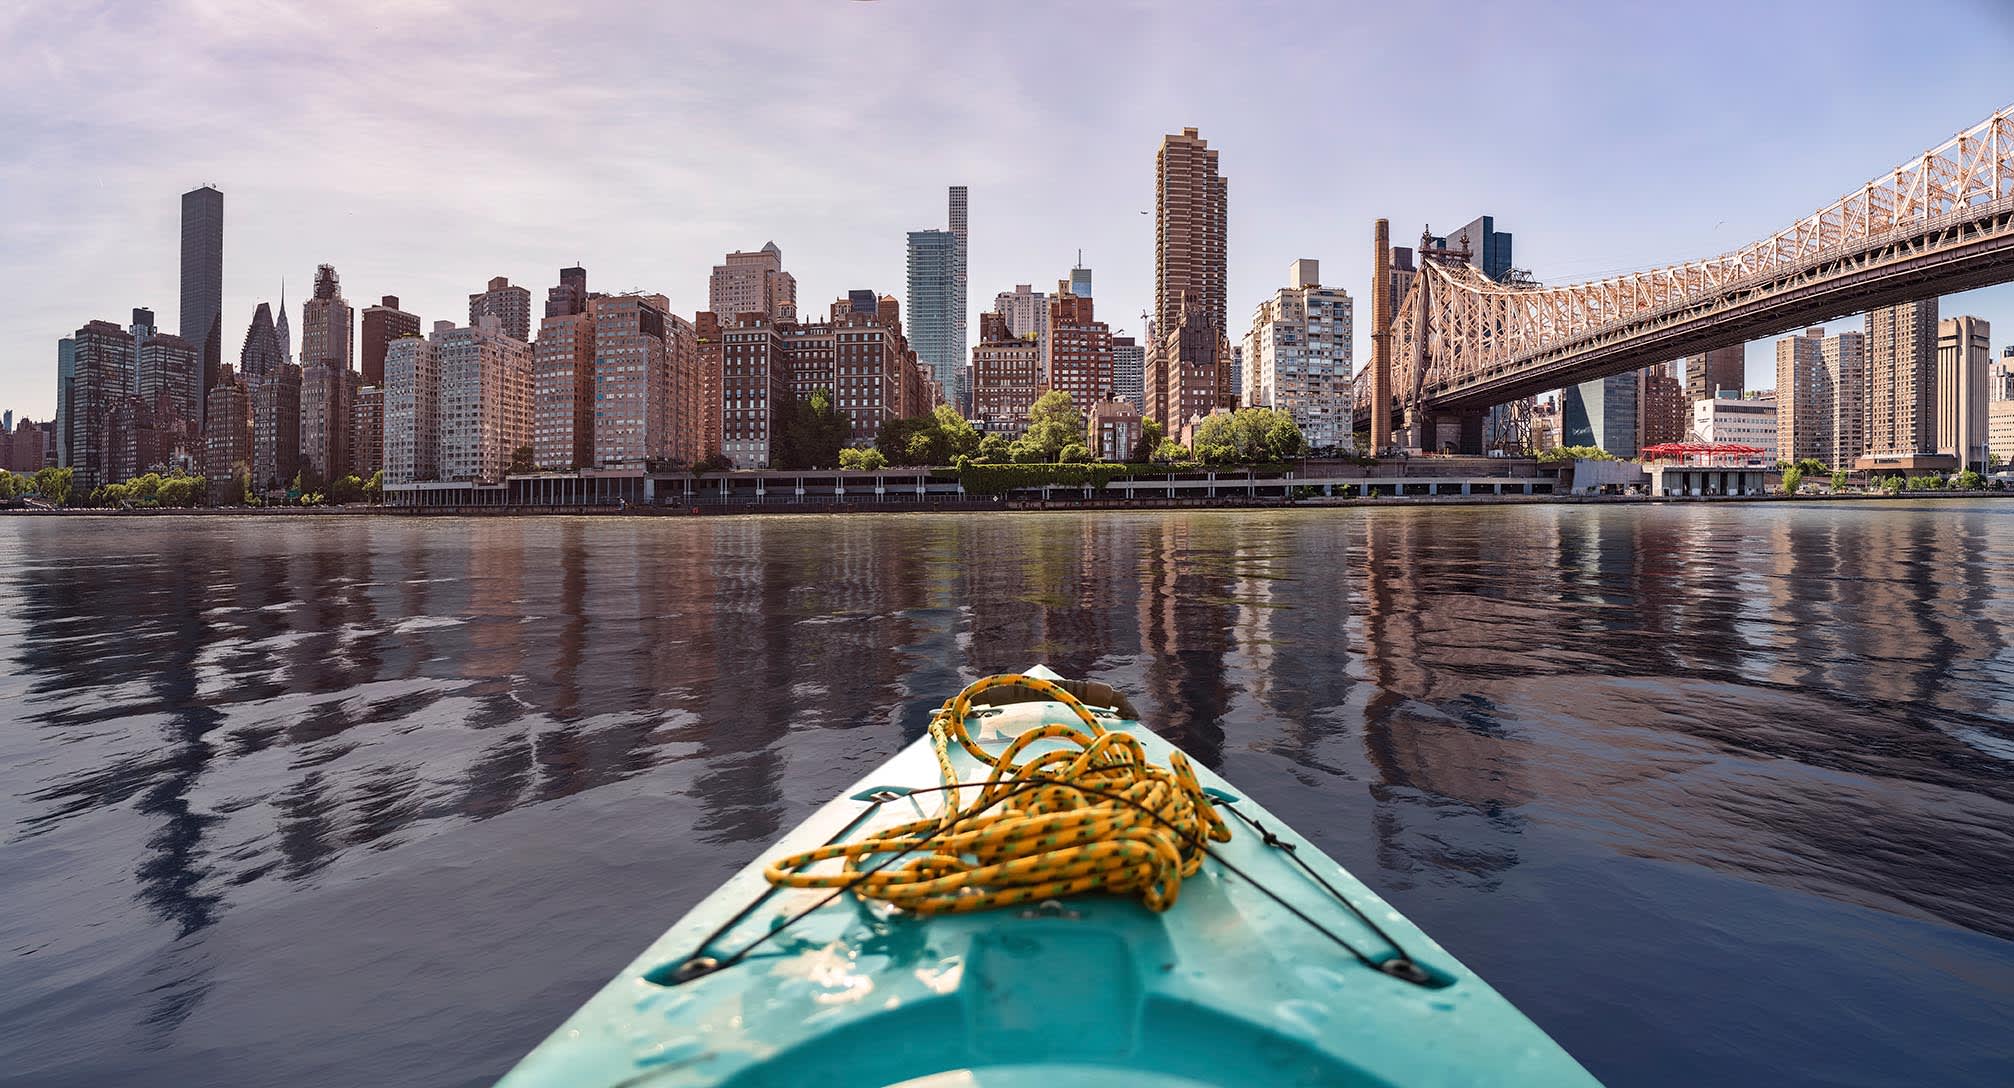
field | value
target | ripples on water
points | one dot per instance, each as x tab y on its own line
1713	793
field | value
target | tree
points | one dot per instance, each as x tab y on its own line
1574	453
1891	484
1838	480
53	484
1248	436
1170	451
713	462
374	488
866	460
1053	423
520	463
1075	453
348	489
994	448
1151	434
1967	480
1812	466
811	433
1793	478
12	485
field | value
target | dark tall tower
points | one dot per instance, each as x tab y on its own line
202	313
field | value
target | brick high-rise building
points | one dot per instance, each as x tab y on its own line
1902	378
171	366
1297	356
570	295
101	365
485	403
1006	376
754	384
708	361
328	352
563	388
752	282
202	314
1964	352
511	306
646	405
367	431
276	427
1079	356
383	324
1803	398
1846	367
1721	368
227	432
1821	397
1188	362
412	409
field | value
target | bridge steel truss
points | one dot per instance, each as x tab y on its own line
1942	222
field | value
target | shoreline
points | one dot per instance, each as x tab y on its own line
715	509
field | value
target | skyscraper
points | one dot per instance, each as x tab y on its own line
169	366
1722	368
1078	360
202	314
563	380
328	381
933	299
1803	398
1188	364
227	435
1902	378
142	327
1488	248
1297	356
101	360
383	324
1964	349
261	353
1662	413
752	282
959	216
280	329
1602	413
646	382
511	306
485	398
412	408
1006	376
276	427
1026	311
1129	370
570	295
1846	368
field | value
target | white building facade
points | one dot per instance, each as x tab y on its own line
1297	357
1749	421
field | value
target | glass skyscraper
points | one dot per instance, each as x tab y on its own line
202	314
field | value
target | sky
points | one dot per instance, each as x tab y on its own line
424	146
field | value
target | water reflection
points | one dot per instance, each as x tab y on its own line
1808	700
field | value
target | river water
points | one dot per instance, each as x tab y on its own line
1714	793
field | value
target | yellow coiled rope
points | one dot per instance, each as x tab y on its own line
1096	817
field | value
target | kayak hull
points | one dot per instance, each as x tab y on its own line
1227	987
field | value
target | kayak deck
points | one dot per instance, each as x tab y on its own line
1227	987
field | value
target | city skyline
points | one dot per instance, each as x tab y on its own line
1586	197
